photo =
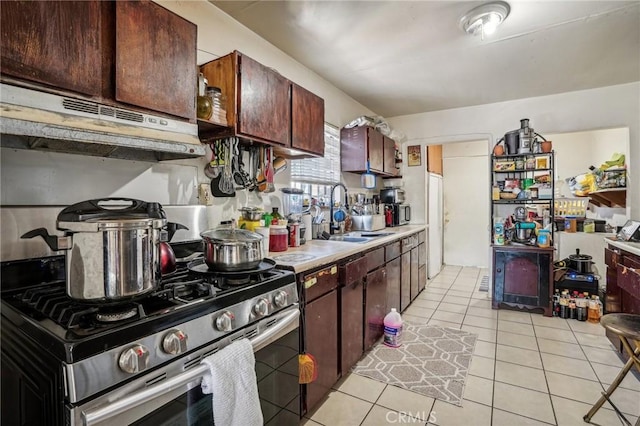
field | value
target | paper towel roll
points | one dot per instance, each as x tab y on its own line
306	221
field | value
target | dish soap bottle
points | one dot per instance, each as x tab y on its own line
392	329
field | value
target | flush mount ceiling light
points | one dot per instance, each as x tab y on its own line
485	18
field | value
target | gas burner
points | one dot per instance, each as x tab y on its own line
237	281
200	267
117	314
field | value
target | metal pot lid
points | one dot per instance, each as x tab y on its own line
111	224
580	257
111	209
251	209
227	235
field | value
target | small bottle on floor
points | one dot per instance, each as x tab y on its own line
392	329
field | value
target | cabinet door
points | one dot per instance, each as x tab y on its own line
393	284
321	341
375	149
414	273
58	43
375	306
422	278
264	110
307	121
389	156
353	149
351	319
155	59
405	280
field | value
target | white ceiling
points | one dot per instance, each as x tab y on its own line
405	57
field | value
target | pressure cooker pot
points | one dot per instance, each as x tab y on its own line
229	249
112	248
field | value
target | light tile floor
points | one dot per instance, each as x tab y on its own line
526	369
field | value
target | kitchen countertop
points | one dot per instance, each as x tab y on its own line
315	253
629	246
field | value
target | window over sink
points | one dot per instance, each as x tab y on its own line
315	176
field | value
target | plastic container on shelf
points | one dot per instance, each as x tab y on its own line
544	238
278	238
393	329
575	207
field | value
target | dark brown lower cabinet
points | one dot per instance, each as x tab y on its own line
393	284
351	334
523	278
375	306
321	341
415	286
422	277
405	280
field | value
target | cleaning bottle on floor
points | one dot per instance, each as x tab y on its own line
392	329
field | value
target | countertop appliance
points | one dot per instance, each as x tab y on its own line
630	231
392	196
400	214
68	362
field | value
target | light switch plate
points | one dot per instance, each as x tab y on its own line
204	194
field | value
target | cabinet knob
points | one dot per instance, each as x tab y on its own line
498	270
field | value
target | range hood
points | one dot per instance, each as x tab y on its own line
31	119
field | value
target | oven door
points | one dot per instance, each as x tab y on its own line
163	397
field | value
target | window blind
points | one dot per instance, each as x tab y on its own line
324	170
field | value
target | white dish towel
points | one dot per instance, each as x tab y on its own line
232	381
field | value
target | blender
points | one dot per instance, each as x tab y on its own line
292	209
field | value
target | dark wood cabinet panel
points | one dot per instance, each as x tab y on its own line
359	145
263	102
375	258
389	156
375	306
152	38
405	280
321	341
422	277
393	284
56	43
414	286
523	278
307	121
351	325
319	282
623	285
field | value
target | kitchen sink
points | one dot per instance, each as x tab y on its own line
374	234
349	239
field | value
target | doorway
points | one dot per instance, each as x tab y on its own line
466	203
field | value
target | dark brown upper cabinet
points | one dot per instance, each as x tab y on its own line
59	44
155	59
265	107
127	52
307	121
389	157
359	145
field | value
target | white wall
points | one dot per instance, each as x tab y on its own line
613	106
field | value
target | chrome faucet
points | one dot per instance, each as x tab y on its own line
332	226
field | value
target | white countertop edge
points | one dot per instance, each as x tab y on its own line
624	245
326	252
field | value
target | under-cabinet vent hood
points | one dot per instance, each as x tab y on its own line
31	119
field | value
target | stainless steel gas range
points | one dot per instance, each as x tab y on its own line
138	362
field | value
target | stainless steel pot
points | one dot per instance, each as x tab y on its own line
112	253
232	249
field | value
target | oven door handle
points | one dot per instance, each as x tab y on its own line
91	417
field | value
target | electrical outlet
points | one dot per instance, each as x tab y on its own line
204	194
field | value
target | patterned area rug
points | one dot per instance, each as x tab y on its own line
432	361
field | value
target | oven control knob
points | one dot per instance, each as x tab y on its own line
280	299
224	321
134	359
261	308
174	342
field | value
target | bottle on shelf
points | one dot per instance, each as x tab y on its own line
594	310
556	303
564	304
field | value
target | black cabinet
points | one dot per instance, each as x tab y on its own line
523	278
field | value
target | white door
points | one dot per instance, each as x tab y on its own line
435	224
466	203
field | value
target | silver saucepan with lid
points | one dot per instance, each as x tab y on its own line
112	248
230	249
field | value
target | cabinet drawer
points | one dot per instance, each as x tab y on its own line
629	280
375	258
391	251
631	261
409	243
352	271
320	282
422	237
612	256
